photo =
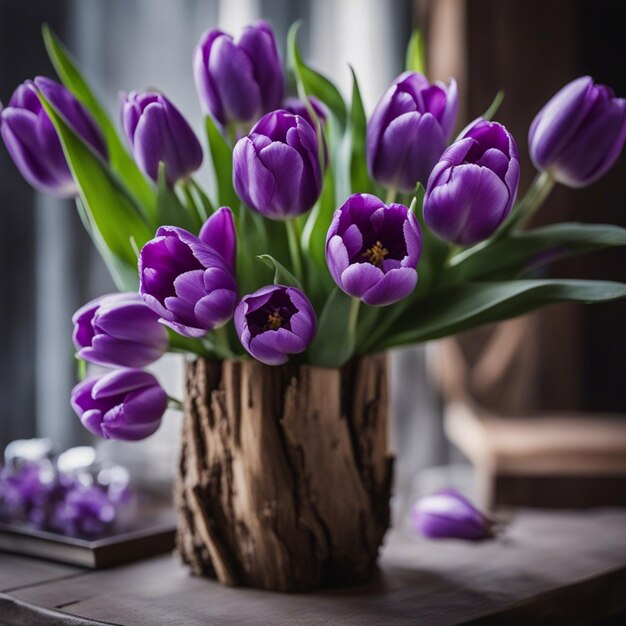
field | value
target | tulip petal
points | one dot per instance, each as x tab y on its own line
218	232
394	286
286	165
122	381
359	277
263	347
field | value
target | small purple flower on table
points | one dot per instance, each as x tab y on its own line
372	249
274	322
579	133
238	80
119	330
473	187
276	168
189	281
409	129
157	132
32	140
447	514
86	511
126	404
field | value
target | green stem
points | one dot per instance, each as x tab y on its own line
392	192
174	403
537	193
221	341
353	316
294	249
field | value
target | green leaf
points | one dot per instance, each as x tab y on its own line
416	53
111	210
490	113
522	252
460	307
121	162
206	204
310	83
318	222
282	276
222	158
359	176
252	240
124	275
334	343
170	210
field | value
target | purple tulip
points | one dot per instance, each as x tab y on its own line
239	79
473	187
119	330
275	321
157	132
126	404
409	129
296	106
32	141
188	282
579	133
276	168
447	514
372	249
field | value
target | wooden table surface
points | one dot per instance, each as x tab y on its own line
547	568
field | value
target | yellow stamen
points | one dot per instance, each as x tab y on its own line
376	254
274	321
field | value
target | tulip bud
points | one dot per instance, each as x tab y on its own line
473	187
157	132
579	133
126	404
409	129
275	321
447	514
238	80
119	330
276	168
32	140
372	249
186	281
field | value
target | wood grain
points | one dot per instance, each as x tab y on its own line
285	477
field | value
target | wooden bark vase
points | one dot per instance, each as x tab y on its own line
285	475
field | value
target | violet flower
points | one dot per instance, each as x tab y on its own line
447	514
32	140
274	322
276	168
126	404
157	132
473	187
188	282
372	249
579	134
409	129
239	79
119	330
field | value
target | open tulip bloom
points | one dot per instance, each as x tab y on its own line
325	234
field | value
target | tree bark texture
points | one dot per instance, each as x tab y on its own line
285	475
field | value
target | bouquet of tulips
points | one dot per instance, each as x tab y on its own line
318	221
